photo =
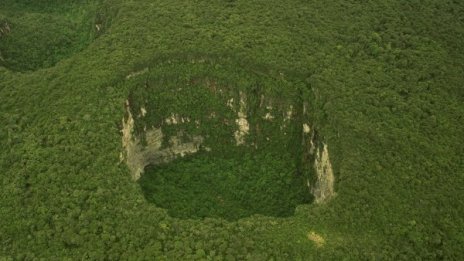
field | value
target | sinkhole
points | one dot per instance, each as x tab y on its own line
35	36
204	139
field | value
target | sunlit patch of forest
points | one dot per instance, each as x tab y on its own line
384	80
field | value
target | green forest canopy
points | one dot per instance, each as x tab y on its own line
387	83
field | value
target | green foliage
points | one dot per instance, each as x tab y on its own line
384	83
39	39
229	187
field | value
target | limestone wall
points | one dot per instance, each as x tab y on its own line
138	156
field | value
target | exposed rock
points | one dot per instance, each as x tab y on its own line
323	189
242	122
289	113
143	111
173	119
314	157
318	240
230	103
134	74
4	28
306	128
138	156
268	116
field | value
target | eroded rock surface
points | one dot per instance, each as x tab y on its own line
323	189
248	132
242	122
138	156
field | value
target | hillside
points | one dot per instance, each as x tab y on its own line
231	130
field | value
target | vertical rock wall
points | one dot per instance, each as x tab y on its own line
314	153
316	161
138	156
323	188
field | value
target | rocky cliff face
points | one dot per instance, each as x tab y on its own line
323	188
251	120
316	161
138	156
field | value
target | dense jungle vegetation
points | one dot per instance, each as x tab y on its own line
385	83
229	188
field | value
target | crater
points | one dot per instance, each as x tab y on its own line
35	36
208	139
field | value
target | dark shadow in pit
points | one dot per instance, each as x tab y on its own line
230	186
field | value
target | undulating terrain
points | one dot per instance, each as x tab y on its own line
231	130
